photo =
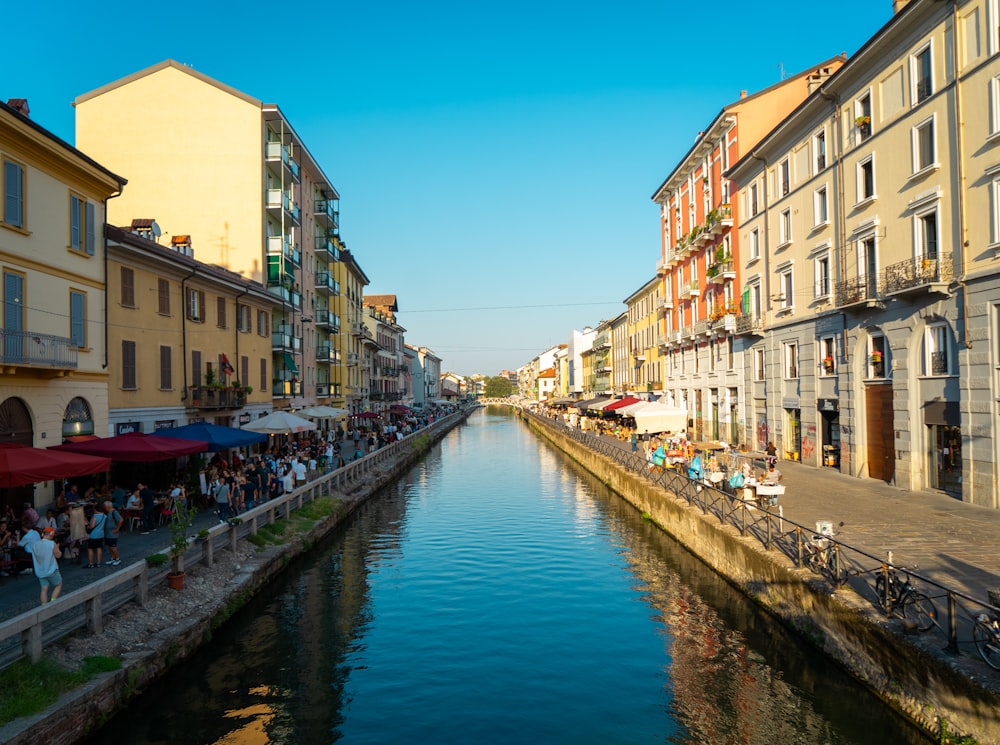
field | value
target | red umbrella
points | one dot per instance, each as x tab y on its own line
136	446
21	465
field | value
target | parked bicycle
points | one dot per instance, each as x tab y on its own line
822	556
986	632
899	597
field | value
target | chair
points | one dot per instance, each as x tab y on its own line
167	512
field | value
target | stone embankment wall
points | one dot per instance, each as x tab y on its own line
913	674
83	711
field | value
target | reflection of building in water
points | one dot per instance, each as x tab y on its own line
722	690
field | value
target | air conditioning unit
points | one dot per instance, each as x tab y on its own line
322	390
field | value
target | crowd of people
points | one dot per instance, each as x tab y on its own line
229	484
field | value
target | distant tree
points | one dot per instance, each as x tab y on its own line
498	387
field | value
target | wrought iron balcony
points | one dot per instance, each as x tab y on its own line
29	348
861	290
919	274
747	323
213	397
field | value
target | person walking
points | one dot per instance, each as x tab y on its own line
222	499
112	527
148	508
44	557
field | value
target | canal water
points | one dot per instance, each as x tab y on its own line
497	594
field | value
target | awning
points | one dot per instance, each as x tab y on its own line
585	404
598	404
627	401
290	363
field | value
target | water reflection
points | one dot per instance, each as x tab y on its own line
497	595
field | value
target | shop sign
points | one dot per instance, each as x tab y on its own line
828	404
790	403
124	428
245	418
163	424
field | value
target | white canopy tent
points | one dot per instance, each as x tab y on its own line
654	418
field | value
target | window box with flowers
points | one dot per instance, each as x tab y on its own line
876	359
862	121
828	365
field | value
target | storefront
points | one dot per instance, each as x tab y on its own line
793	434
829	410
944	446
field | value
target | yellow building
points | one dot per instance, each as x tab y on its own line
187	341
355	338
645	378
229	170
53	355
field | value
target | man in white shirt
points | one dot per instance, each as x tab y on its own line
44	556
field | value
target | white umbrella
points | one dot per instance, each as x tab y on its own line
321	412
280	423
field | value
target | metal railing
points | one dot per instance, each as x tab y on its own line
27	634
32	348
776	532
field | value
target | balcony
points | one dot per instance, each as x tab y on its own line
28	349
661	267
327	354
352	359
325	283
283	341
919	274
701	328
279	200
721	272
747	323
692	289
282	245
326	247
212	397
288	295
666	304
325	210
862	291
326	318
276	151
286	388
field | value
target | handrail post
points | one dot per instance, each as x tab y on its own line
952	624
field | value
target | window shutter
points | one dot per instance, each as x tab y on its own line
128	287
77	319
195	368
128	365
75	227
221	305
163	293
165	369
91	229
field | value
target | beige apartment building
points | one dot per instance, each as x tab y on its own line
704	332
229	170
188	341
53	352
876	279
383	353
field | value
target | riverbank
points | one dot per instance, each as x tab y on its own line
936	690
173	625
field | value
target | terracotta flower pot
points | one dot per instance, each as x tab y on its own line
175	580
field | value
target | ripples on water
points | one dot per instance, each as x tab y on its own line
498	595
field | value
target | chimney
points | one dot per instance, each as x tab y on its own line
743	94
182	244
146	227
20	105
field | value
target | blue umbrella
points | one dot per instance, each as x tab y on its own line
217	437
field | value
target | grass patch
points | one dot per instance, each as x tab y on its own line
27	688
257	539
320	508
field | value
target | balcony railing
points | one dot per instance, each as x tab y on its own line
747	323
325	244
863	289
327	354
211	397
918	273
29	348
285	342
327	208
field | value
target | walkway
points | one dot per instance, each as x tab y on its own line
951	542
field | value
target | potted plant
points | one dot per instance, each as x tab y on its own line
862	121
876	357
178	544
828	364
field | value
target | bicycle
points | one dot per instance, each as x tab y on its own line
899	596
822	557
986	633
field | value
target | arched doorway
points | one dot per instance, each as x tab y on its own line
16	427
77	419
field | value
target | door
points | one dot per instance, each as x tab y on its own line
13	317
879	427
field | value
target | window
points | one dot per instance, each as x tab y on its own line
754	204
166	382
936	350
128	287
243	318
994	98
244	370
791	350
924	147
926	238
263	323
195	368
784	177
863	117
196	305
220	304
128	365
81	225
163	296
263	374
878	360
13	194
921	70
819	151
827	356
754	244
821	214
785	227
866	179
822	288
785	283
730	352
77	319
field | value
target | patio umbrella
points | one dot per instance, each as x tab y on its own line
135	447
280	423
22	464
217	437
321	412
621	403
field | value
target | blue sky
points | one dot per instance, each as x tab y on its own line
495	161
